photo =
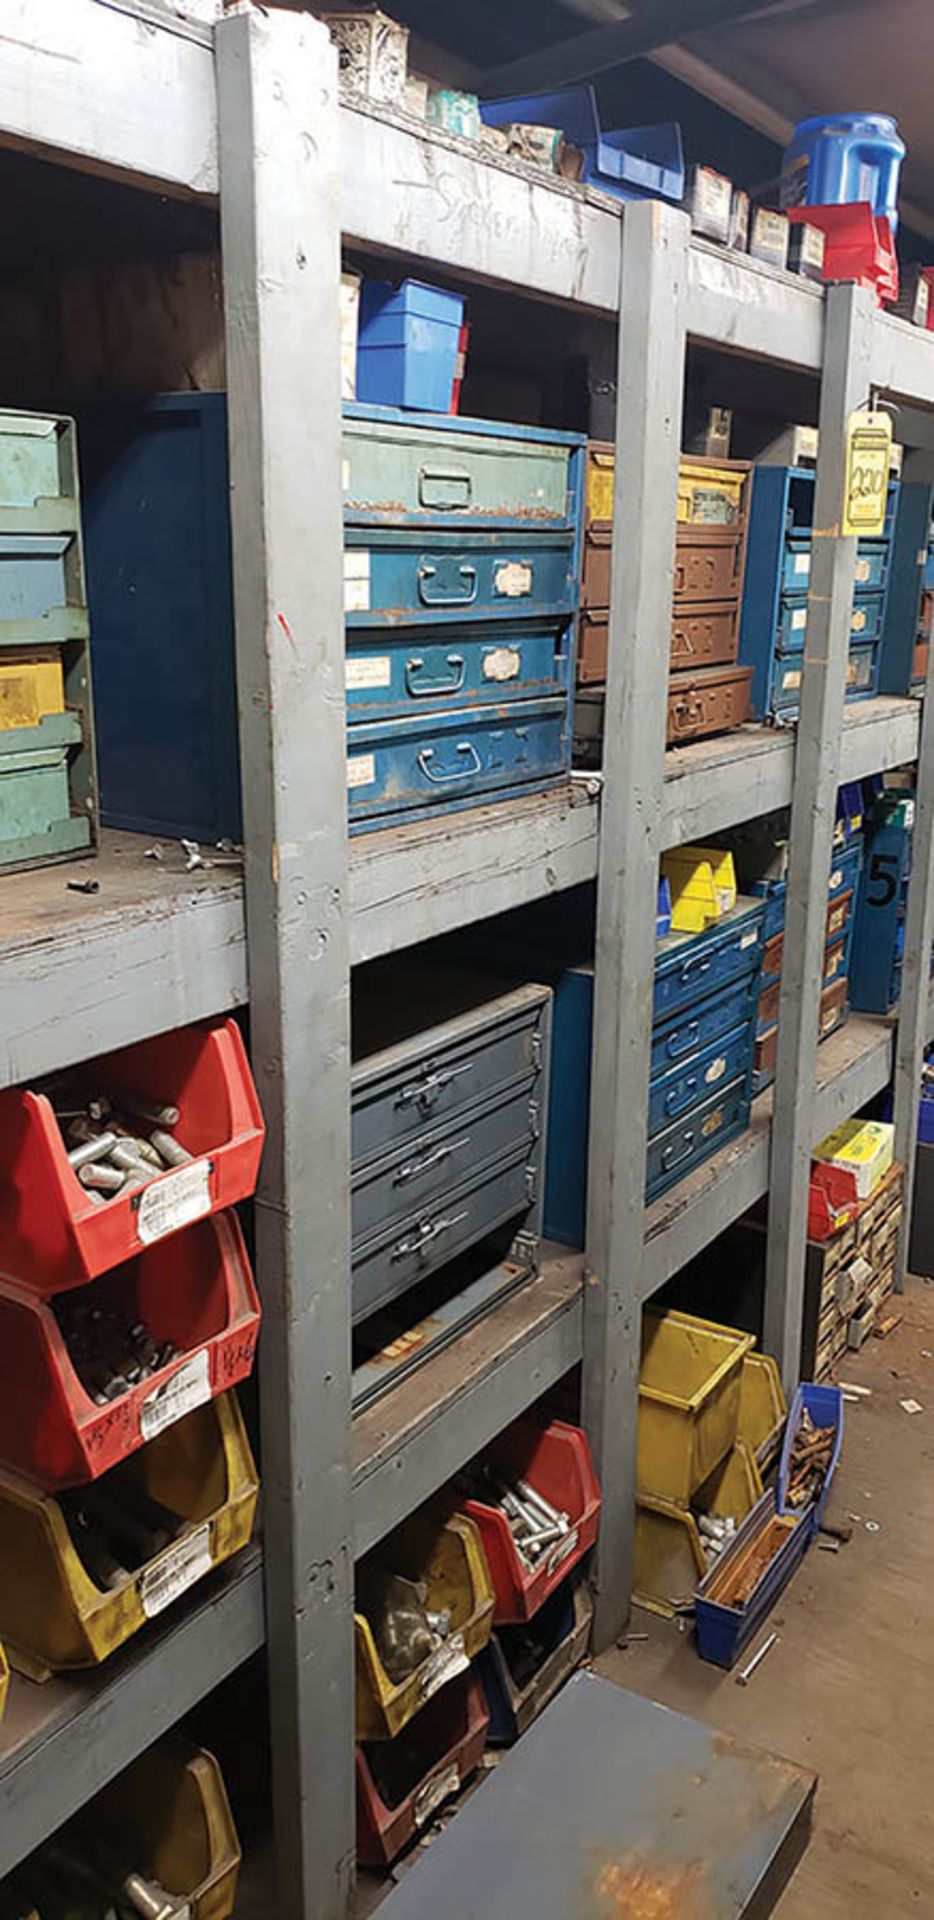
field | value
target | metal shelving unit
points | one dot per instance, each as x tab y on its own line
247	115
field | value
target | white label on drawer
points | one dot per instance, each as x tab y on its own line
345	474
502	663
356	580
712	1124
513	578
174	1201
799	619
434	1791
802	563
749	939
909	812
188	1387
561	1550
716	1070
858	621
792	679
446	1664
361	769
863	571
374	670
167	1578
836	879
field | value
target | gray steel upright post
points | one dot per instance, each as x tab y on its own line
278	130
845	386
653	292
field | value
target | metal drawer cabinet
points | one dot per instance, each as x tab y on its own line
689	966
407	576
395	672
437	762
707	700
865	621
675	1042
405	469
708	565
386	1193
684	1145
419	1245
684	1088
705	637
872	562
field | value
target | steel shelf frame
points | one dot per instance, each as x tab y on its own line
247	114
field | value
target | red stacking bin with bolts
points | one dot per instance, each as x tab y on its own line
59	1230
530	1461
401	1783
88	1376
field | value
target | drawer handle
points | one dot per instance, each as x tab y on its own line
681	1097
413	1168
425	1092
683	1041
423	689
468	574
692	968
454	773
428	1231
678	1151
449	487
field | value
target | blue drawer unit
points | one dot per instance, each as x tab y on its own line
705	1025
878	925
862	679
845	870
865	625
909	565
409	576
423	670
688	1142
689	966
438	762
440	470
683	1088
872	560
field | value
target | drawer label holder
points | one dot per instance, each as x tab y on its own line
445	1665
188	1387
175	1571
174	1201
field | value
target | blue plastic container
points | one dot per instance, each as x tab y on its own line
824	1405
407	345
844	157
723	1631
634	163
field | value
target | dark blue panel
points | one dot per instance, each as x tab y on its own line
903	602
157	549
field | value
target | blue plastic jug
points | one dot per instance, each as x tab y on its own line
843	158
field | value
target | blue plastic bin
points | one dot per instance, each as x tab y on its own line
844	157
407	345
634	163
825	1407
723	1632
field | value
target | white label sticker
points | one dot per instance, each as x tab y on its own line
446	1664
361	769
716	1070
863	570
802	563
434	1791
374	670
167	1578
502	663
748	939
188	1387
836	879
345	474
909	811
793	679
799	619
356	580
561	1549
514	579
174	1201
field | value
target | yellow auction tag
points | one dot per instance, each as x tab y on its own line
868	447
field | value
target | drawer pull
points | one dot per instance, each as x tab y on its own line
681	1097
692	968
413	1168
683	1041
425	1092
423	689
429	1230
444	487
468	574
473	766
679	1150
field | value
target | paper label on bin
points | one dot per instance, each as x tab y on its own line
802	563
430	1796
361	770
374	670
792	679
446	1664
174	1201
514	579
715	1071
175	1571
799	619
748	939
502	663
561	1549
712	1124
188	1387
356	580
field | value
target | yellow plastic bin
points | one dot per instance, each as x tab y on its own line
669	1556
53	1615
4	1679
689	1392
702	881
31	685
763	1409
445	1556
734	1486
171	1820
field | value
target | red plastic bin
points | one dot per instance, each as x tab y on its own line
858	245
52	1235
195	1290
431	1759
555	1461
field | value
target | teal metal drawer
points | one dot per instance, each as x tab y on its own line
396	672
409	469
36	822
41	589
38	473
409	576
688	1142
435	762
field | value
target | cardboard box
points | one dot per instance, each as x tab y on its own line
864	1148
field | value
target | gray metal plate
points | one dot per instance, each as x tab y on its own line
612	1806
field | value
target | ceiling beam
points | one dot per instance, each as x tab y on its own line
587	54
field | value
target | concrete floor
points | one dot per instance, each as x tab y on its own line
849	1691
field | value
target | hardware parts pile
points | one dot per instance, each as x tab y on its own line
116	1147
541	1534
109	1355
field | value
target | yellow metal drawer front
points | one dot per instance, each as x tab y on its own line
31	685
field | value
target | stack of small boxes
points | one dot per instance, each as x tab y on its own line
128	1314
855	1214
48	788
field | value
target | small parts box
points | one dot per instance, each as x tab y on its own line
445	1557
690	1381
865	1148
84	1570
702	881
53	1235
712	700
743	1585
168	1817
194	1294
407	345
554	1460
524	1665
402	1783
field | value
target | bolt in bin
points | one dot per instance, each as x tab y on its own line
762	1407
524	1666
669	1556
195	1293
402	1783
446	1557
689	1393
168	1817
555	1461
52	1235
197	1477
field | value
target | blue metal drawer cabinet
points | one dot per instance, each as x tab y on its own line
393	673
437	470
688	966
437	761
408	576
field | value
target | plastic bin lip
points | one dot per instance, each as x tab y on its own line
737	1345
834	123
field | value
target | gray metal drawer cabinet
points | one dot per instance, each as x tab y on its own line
429	1239
388	1190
